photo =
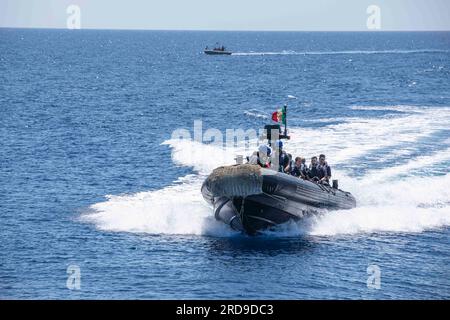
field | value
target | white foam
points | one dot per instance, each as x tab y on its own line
359	136
380	219
202	157
178	209
343	52
414	204
411	166
256	114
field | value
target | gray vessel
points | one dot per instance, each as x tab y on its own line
250	198
217	50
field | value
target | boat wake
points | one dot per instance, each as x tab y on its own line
401	184
253	113
344	52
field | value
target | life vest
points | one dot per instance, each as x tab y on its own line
313	171
323	170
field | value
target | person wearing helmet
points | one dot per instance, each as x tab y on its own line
261	157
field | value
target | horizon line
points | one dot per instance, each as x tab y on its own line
233	30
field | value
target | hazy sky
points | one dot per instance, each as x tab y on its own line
228	14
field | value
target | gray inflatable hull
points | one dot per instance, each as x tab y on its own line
250	198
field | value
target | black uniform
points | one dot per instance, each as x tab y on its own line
283	161
313	172
301	171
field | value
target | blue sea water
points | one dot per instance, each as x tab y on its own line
91	177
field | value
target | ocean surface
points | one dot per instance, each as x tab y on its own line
92	179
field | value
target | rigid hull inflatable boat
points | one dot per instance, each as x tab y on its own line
250	198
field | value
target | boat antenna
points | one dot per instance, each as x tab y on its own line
290	97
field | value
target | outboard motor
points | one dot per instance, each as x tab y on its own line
335	184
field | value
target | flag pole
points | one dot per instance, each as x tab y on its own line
285	119
291	97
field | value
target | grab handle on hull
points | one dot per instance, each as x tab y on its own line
335	184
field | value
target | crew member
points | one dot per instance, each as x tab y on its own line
324	170
313	172
261	157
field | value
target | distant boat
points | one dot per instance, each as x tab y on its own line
217	50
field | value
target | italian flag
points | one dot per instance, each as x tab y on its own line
279	115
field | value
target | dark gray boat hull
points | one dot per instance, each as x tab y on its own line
282	198
217	52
